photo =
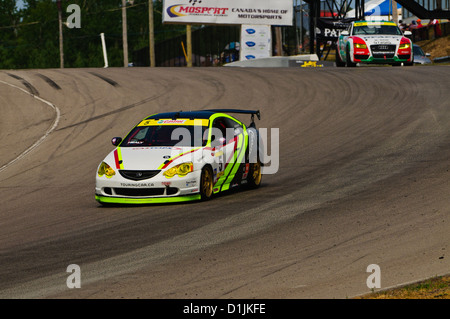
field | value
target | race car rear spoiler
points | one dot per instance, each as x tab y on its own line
252	112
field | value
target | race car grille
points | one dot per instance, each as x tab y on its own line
361	57
138	175
383	51
146	192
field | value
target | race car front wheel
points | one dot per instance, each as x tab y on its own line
350	64
206	183
339	62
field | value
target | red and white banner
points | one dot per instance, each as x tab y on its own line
267	12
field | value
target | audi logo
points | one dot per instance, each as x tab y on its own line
383	47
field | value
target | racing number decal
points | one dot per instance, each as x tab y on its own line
219	155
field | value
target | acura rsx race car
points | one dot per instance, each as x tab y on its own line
181	156
374	42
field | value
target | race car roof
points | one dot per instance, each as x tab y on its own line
374	22
202	114
181	114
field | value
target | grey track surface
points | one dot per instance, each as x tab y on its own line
363	179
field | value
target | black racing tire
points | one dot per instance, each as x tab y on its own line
349	63
206	183
254	161
254	175
339	62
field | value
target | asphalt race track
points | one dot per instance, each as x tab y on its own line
363	179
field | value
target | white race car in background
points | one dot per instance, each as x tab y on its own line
374	42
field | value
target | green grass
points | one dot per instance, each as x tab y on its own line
434	288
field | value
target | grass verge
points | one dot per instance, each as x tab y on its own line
434	288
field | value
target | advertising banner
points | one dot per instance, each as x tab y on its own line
330	29
256	42
267	12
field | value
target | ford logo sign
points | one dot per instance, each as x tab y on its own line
249	57
250	31
250	43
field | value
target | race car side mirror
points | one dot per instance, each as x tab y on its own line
116	141
407	33
345	33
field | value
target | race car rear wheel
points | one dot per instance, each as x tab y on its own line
206	183
254	175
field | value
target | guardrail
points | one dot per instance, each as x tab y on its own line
443	59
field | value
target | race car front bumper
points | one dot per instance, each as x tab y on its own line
372	60
149	200
158	189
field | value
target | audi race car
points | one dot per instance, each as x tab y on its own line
374	42
181	156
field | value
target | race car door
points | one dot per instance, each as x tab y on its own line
229	151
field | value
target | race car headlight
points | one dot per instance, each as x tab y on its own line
181	170
106	170
404	46
360	46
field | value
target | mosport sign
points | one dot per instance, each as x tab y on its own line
266	12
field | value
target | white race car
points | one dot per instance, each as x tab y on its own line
180	156
374	42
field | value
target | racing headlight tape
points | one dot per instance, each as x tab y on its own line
359	43
404	44
181	170
106	170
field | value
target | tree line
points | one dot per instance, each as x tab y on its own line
29	36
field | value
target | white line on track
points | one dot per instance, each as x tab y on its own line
47	133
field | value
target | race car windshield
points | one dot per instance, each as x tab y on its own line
165	135
376	29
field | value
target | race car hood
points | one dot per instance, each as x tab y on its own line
381	39
150	158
